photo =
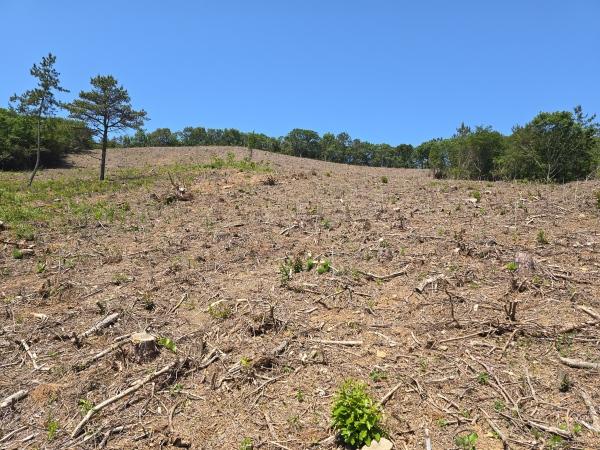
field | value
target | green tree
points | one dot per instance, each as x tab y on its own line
106	108
162	137
554	146
303	143
40	102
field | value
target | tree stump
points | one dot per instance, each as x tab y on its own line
144	347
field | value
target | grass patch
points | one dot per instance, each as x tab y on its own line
80	196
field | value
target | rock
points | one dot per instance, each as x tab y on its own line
383	444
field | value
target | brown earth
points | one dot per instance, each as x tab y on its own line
458	363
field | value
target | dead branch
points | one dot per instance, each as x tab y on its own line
136	386
347	343
11	399
389	394
550	429
31	355
587	399
372	276
496	429
427	440
589	311
579	363
78	367
108	320
433	280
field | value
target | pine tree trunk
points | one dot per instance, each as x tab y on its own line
103	160
37	158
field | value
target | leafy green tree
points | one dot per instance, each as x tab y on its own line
303	143
40	102
106	108
471	153
162	137
554	146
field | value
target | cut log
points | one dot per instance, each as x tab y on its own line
144	347
11	399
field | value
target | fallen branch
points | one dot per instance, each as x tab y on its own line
427	440
286	230
496	429
137	385
587	399
389	394
554	430
31	355
589	311
11	399
12	433
108	320
429	281
579	363
372	276
78	367
347	343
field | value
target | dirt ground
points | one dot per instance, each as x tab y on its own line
469	303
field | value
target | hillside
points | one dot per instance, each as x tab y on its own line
464	305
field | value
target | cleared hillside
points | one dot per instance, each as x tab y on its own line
464	305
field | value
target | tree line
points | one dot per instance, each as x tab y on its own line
555	146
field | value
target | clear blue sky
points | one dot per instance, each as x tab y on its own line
384	71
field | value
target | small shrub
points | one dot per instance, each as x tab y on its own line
541	238
52	427
467	441
512	266
476	195
285	272
356	417
326	224
246	444
377	375
85	405
17	253
219	311
297	265
310	263
324	267
384	179
40	267
597	195
167	343
483	378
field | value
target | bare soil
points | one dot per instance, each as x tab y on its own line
254	356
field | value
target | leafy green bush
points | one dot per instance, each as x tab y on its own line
467	441
324	267
356	417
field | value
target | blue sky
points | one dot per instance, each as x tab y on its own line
384	71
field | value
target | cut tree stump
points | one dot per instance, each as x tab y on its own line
144	347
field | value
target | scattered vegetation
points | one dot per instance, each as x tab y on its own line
467	441
324	267
356	417
167	343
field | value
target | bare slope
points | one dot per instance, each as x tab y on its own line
258	351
